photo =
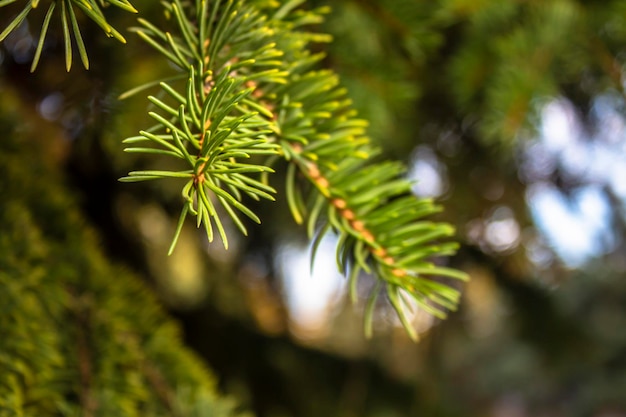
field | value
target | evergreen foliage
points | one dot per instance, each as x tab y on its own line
457	76
69	22
250	87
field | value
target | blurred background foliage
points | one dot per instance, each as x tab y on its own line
510	113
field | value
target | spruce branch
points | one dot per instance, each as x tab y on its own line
214	126
214	139
69	24
369	205
253	88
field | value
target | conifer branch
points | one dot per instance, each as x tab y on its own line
369	205
253	89
69	24
213	126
